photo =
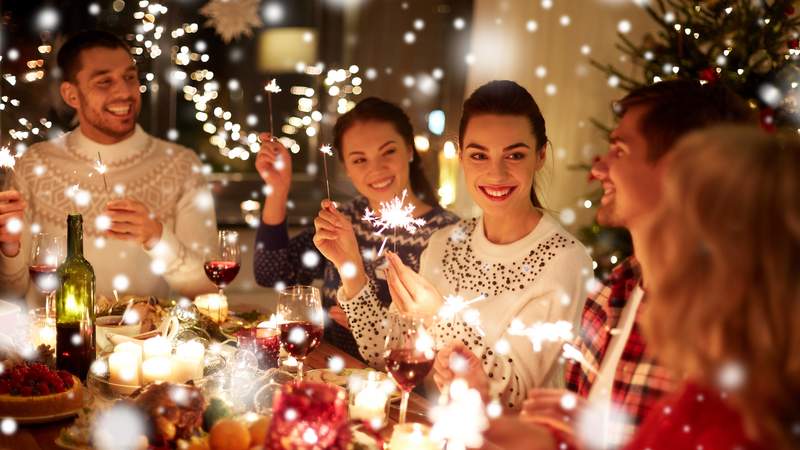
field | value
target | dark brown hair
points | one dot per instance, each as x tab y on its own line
69	55
676	107
379	110
505	97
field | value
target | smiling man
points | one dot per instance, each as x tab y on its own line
148	214
619	371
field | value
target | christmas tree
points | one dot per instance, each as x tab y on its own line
750	46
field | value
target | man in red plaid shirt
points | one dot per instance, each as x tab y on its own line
615	368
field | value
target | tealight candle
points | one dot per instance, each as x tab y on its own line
157	346
130	347
123	368
188	361
412	436
158	368
368	400
214	306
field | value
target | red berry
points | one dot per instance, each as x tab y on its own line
26	391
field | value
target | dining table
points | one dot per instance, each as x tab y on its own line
43	436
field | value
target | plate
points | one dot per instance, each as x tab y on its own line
339	379
46	419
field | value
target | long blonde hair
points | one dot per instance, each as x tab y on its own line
724	251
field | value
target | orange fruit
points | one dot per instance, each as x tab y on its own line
229	434
258	430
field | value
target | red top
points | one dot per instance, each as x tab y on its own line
694	418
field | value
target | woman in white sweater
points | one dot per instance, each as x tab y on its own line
519	260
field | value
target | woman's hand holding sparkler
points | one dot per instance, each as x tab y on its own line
12	211
274	165
455	360
336	240
410	291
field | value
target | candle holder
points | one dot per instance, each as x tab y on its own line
412	436
264	342
214	306
369	398
309	416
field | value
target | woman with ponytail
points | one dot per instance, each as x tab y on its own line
375	143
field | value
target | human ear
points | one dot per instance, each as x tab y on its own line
69	92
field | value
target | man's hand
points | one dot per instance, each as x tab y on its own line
131	220
545	405
12	214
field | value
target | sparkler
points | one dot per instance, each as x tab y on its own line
541	332
455	305
393	215
460	419
570	352
271	88
326	151
101	169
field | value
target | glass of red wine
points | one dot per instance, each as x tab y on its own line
302	319
47	252
409	353
223	262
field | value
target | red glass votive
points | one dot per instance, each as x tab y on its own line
264	342
309	416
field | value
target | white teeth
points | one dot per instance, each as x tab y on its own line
119	110
497	192
382	184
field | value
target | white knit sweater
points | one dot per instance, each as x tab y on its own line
164	176
539	278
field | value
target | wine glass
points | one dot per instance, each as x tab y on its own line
223	262
302	318
47	252
409	353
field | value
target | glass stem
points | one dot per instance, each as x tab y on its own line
404	406
299	370
49	305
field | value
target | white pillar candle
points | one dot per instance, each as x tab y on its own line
123	368
157	346
130	347
412	436
188	361
214	306
158	368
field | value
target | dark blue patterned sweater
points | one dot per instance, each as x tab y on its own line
279	259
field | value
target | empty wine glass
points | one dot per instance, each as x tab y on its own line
409	353
47	252
302	318
223	262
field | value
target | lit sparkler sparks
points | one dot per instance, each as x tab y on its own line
456	305
541	332
326	151
101	169
7	160
393	215
271	88
571	352
460	419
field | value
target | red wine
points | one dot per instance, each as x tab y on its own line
408	368
221	273
44	277
74	348
300	338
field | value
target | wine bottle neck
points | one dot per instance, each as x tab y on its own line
74	235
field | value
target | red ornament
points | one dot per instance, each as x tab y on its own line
767	116
709	74
794	43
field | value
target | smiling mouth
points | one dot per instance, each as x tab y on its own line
120	111
608	193
381	184
497	193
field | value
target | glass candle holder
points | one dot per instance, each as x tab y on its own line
308	415
264	342
412	436
369	398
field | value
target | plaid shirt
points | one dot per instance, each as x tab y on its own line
639	381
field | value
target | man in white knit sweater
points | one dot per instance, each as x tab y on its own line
148	223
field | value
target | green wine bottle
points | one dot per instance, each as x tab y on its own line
75	346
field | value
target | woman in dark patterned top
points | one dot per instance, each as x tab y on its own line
375	143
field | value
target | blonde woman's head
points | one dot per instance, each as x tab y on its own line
723	259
